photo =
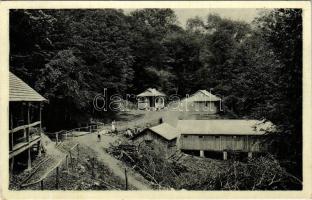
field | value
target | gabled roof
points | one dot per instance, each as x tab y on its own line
164	130
202	95
20	91
224	127
151	92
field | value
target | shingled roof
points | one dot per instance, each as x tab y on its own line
151	92
20	91
202	95
164	130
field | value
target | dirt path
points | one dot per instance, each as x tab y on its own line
117	167
138	118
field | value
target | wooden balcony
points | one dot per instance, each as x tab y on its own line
20	144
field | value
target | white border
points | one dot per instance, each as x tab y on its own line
4	63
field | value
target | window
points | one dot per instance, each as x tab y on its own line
172	144
159	100
185	136
148	141
201	136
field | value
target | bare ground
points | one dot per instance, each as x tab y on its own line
116	166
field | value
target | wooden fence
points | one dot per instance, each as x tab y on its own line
65	134
68	157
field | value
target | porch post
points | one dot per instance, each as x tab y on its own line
28	122
40	117
11	134
40	130
249	154
12	165
11	142
39	148
201	153
224	155
29	159
11	119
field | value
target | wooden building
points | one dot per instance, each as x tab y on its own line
151	99
25	106
223	136
201	101
162	138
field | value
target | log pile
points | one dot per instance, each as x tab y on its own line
157	169
183	171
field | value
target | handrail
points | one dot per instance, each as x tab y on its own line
75	129
47	173
73	147
24	126
53	168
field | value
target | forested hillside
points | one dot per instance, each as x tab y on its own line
69	56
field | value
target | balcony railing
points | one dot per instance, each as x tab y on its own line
23	136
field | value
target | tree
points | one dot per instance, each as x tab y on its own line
149	29
63	82
282	30
71	55
30	42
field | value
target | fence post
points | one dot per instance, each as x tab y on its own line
67	163
41	184
77	151
93	175
126	177
57	178
71	160
56	139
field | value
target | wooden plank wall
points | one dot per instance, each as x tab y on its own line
220	143
160	144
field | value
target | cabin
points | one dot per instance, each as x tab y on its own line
151	99
25	106
206	136
203	101
162	138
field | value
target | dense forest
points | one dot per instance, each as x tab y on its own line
69	56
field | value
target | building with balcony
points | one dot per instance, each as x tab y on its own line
25	106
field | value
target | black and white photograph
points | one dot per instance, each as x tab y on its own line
163	99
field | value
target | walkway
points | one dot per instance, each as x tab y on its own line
117	167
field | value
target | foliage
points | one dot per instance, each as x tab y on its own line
193	173
263	173
71	55
282	31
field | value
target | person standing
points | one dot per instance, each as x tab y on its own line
113	125
99	136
